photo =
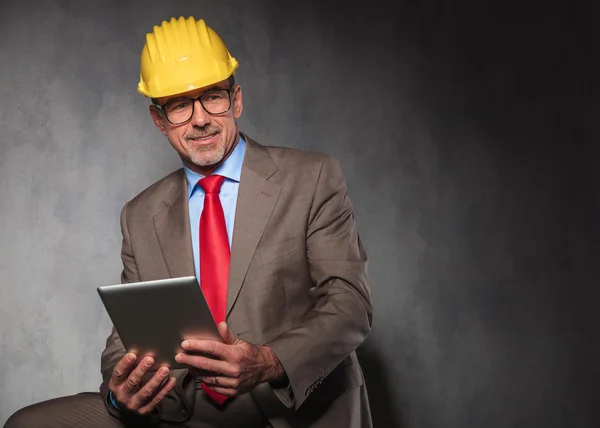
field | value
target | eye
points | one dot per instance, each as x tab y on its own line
212	96
177	105
215	96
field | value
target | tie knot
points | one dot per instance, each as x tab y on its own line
212	183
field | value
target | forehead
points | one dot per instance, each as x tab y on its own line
194	93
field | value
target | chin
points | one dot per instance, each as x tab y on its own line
207	159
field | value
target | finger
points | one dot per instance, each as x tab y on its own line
158	397
134	380
206	364
197	373
149	390
226	334
207	347
221	382
122	369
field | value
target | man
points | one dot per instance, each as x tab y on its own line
270	234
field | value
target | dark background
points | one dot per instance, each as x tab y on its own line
468	134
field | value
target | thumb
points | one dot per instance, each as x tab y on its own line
226	334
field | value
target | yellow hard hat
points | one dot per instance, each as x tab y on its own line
182	55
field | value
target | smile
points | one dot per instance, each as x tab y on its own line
204	140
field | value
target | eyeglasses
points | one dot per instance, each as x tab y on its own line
214	101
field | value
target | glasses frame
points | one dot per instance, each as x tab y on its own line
199	99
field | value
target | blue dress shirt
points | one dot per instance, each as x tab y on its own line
231	169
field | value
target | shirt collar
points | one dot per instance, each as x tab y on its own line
231	169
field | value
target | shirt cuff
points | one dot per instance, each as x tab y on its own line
112	400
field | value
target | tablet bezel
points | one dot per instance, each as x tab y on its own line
154	317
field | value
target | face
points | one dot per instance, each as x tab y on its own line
206	140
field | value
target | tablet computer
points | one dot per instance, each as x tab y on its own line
154	317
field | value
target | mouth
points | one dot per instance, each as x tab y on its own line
208	139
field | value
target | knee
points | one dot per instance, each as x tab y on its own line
20	419
70	411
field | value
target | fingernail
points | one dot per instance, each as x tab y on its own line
131	357
163	371
178	358
185	344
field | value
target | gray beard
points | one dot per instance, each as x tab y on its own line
208	156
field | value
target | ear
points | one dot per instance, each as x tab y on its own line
159	120
237	102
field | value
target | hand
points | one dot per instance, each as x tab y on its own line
127	389
237	366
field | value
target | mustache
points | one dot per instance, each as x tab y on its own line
202	132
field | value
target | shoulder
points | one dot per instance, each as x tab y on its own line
296	161
159	195
294	158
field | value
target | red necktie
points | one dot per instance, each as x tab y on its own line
214	257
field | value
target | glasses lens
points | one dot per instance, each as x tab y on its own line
179	110
216	101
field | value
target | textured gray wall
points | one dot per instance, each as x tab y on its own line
465	132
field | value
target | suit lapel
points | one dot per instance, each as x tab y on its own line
256	199
172	228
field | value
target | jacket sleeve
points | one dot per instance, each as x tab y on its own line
175	406
342	314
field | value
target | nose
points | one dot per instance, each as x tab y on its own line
200	117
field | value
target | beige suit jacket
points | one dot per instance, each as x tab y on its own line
297	282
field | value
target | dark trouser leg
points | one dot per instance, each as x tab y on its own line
85	410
